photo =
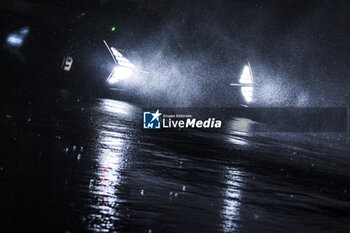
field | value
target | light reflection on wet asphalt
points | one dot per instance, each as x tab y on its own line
116	177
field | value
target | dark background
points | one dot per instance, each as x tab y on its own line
298	50
71	162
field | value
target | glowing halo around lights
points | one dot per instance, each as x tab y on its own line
247	83
246	77
16	39
119	73
247	93
123	69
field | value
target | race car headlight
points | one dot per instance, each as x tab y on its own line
247	93
119	73
246	81
16	38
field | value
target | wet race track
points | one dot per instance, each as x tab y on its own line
89	166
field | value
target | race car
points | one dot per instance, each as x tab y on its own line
76	49
56	47
246	85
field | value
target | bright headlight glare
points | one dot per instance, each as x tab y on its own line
16	38
246	77
119	73
247	83
247	93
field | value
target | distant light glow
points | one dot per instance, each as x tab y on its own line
24	30
247	93
246	77
16	38
113	29
119	73
247	81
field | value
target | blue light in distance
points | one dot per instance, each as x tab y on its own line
16	38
